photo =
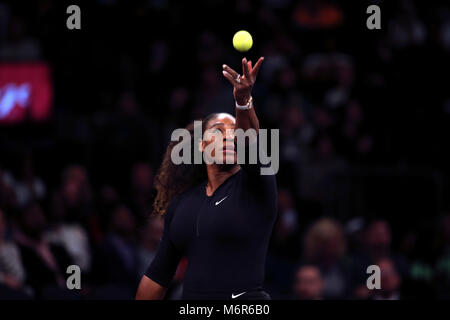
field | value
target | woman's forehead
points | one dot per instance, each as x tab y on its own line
222	119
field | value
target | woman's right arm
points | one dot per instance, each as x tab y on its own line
150	290
161	271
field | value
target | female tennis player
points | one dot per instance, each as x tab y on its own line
220	216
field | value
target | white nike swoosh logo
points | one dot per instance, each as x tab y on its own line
234	296
217	202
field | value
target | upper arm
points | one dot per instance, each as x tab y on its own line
260	175
258	184
165	263
150	290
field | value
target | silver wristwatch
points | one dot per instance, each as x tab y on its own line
247	106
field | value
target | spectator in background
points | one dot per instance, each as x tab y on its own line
128	132
284	248
378	240
296	136
68	233
325	248
77	196
45	263
406	28
150	237
343	71
28	187
308	283
317	175
109	199
117	259
76	189
7	195
141	191
12	273
20	46
354	229
286	237
390	281
377	246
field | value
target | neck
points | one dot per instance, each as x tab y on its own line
218	174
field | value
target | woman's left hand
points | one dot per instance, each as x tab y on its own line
243	85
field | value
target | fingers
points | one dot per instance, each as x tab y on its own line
230	71
248	71
257	66
229	77
245	70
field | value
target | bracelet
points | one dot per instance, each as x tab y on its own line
247	106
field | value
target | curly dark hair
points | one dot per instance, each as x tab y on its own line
172	179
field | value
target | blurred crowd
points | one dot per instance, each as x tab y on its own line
363	116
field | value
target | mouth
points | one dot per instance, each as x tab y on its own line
228	149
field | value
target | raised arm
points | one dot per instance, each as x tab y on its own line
242	89
263	185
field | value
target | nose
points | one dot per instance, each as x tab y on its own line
229	136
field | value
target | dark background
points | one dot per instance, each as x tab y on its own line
363	118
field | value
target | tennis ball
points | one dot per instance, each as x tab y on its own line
242	41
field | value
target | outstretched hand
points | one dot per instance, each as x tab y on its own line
243	85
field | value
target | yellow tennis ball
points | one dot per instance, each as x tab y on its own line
242	41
